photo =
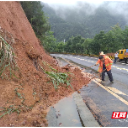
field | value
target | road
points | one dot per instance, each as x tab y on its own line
105	99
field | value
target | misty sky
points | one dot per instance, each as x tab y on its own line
114	7
71	2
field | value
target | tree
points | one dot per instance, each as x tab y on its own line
125	38
86	46
114	39
49	42
35	15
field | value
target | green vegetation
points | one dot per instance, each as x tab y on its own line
6	57
84	34
9	110
58	79
83	20
35	15
16	108
39	23
108	42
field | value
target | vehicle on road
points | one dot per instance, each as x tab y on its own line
123	55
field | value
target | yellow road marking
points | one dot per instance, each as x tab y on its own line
118	97
107	89
116	91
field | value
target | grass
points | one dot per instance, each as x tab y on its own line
18	94
14	108
34	93
9	110
49	66
21	96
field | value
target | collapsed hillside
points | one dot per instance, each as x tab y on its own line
26	96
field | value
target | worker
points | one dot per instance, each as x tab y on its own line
105	66
116	57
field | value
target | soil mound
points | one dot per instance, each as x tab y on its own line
25	97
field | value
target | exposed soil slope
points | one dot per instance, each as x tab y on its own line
33	92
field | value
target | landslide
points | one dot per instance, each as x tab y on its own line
24	99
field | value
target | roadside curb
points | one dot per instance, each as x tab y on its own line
84	113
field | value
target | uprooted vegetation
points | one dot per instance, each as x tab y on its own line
31	82
7	60
8	64
57	78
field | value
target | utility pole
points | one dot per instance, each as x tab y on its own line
64	41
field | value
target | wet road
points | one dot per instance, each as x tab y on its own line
100	101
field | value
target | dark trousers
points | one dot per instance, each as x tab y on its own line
109	75
115	59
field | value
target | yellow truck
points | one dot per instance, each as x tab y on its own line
123	55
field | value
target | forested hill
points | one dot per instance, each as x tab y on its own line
67	22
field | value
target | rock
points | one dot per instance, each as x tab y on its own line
24	122
36	123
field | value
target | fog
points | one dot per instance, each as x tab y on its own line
62	8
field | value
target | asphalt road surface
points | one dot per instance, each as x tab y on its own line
105	99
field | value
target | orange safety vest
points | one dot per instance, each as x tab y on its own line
108	64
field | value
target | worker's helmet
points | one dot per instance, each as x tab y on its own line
102	53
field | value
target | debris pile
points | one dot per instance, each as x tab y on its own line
26	96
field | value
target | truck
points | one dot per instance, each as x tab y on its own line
123	55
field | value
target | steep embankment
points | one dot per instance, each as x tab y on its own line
32	92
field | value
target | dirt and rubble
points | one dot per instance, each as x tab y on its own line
24	101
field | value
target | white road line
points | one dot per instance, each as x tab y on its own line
108	89
115	66
96	58
119	68
122	63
